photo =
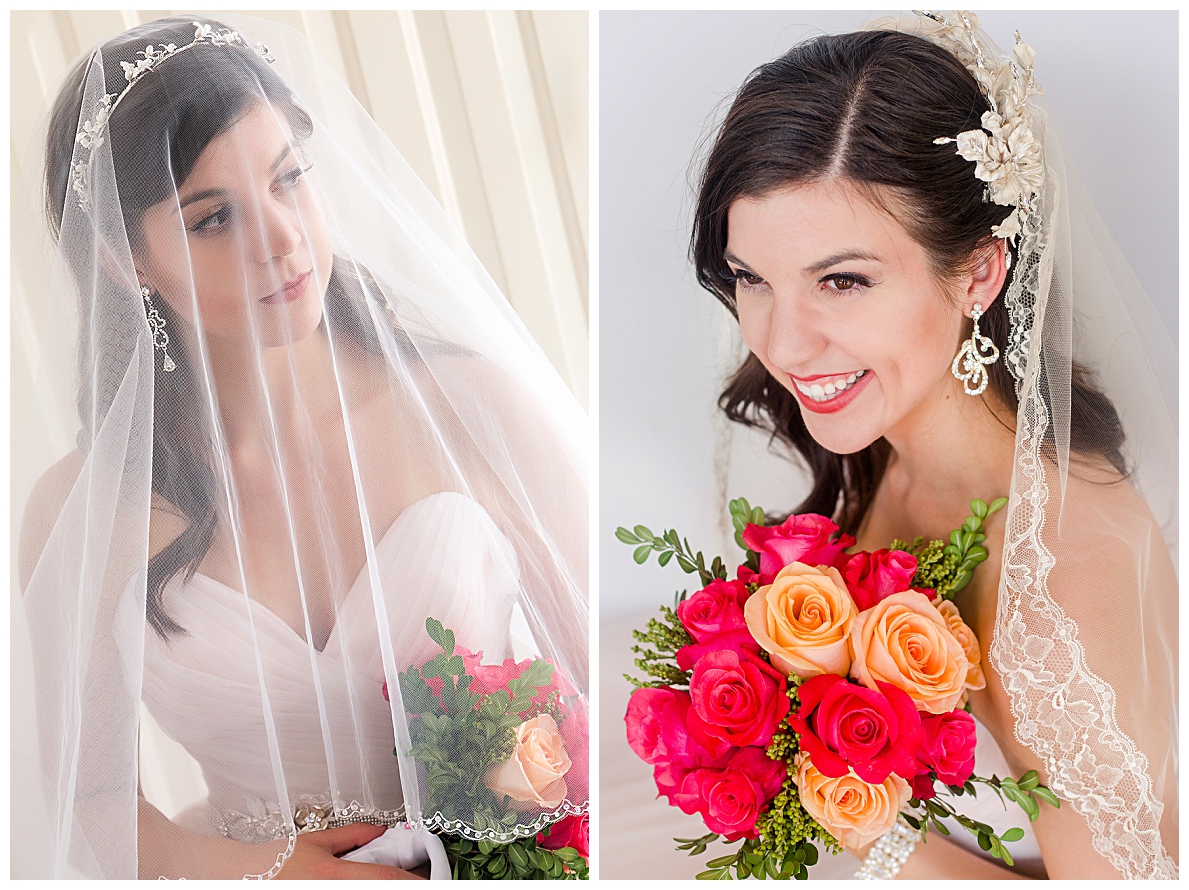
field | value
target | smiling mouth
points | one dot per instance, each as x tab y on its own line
825	389
290	291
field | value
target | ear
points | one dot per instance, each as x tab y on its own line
121	267
987	275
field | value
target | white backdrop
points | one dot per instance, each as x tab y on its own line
1111	82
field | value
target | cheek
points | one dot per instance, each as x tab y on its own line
321	245
755	320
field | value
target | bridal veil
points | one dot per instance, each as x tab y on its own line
283	417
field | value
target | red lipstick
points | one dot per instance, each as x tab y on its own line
835	404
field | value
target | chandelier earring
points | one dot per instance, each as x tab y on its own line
975	356
157	326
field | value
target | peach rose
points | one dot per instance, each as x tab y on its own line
533	775
803	619
854	811
905	641
967	640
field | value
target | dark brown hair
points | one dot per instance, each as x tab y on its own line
864	108
157	134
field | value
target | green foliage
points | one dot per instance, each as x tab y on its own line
667	635
457	738
1023	791
742	515
670	545
947	568
520	860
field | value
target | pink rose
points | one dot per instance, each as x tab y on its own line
572	831
872	576
658	734
656	722
738	700
737	641
489	678
731	799
807	538
714	610
575	733
922	786
846	726
747	576
949	746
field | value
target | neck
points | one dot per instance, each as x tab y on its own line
952	449
259	388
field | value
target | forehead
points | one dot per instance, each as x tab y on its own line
250	145
807	222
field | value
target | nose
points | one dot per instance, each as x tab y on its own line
280	230
794	336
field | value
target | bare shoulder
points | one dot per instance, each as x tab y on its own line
46	500
49	496
1112	580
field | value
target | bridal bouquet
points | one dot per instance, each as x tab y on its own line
819	696
497	741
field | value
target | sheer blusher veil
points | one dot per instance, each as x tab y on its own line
426	416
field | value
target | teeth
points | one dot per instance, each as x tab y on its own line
823	393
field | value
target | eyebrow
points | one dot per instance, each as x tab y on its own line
845	256
216	193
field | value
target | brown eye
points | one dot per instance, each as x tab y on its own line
843	282
747	279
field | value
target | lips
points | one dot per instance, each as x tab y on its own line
828	393
291	291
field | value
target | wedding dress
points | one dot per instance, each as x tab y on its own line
443	553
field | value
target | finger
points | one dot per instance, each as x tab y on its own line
363	871
346	838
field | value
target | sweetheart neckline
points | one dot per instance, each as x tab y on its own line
363	571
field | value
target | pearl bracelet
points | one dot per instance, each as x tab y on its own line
890	852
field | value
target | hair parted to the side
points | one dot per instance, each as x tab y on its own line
864	108
156	136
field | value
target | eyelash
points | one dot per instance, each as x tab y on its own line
287	182
857	282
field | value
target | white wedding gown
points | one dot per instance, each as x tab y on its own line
443	557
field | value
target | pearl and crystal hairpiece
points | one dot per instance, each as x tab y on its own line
1008	155
91	133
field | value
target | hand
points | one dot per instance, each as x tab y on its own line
315	856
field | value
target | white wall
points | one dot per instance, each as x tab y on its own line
1111	87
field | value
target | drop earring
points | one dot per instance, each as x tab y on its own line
975	355
157	326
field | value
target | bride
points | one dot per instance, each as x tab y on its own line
864	220
304	423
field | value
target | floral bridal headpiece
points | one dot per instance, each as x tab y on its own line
1008	154
92	132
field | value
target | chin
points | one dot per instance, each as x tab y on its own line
302	322
838	438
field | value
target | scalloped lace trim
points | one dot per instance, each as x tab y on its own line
1063	712
265	822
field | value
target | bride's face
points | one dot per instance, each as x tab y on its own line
244	251
840	305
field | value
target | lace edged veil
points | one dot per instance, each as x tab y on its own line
395	405
1085	638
